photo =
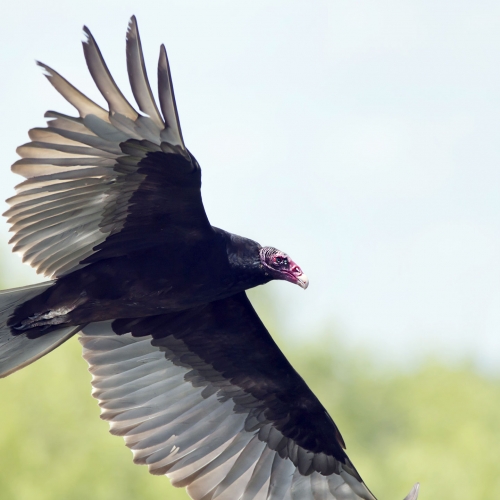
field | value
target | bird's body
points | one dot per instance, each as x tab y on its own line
159	280
182	366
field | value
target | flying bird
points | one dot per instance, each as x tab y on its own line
183	368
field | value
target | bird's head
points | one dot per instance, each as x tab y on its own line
280	266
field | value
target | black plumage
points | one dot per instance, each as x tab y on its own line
182	366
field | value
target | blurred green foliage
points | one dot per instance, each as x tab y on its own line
436	424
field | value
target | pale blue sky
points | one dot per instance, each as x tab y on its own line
360	137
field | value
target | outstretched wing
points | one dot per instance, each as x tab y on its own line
108	182
206	397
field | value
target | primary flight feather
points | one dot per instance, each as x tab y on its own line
183	368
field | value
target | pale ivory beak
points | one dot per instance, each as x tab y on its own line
302	281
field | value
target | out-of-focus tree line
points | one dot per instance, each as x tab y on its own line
436	424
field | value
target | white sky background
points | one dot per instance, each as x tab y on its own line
361	137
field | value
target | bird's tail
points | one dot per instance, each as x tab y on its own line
17	350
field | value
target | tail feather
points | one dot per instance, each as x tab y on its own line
18	351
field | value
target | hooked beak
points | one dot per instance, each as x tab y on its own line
302	281
295	275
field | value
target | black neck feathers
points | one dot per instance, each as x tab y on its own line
244	260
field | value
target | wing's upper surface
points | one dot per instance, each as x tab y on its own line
109	181
207	398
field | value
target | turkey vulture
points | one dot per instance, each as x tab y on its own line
183	368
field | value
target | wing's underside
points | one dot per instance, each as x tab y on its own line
207	398
183	428
87	176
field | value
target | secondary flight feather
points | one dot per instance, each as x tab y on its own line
183	368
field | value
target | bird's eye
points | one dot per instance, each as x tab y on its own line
281	261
